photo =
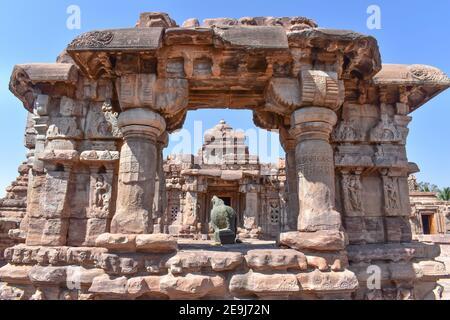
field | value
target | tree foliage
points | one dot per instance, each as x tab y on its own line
444	194
427	187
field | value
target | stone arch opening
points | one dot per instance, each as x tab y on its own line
225	165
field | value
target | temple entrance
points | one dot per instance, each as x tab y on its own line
428	223
226	200
224	167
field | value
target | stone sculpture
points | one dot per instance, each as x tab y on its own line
223	221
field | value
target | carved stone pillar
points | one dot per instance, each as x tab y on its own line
251	216
48	224
160	199
311	127
137	171
289	146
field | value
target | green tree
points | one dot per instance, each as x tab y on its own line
427	187
444	194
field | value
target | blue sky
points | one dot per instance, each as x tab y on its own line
413	31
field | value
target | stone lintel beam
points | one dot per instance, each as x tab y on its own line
415	84
30	80
256	37
362	50
137	171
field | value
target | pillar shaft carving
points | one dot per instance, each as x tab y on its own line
137	171
160	198
289	145
311	128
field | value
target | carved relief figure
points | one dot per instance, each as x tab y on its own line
101	194
385	131
346	132
353	188
391	193
64	128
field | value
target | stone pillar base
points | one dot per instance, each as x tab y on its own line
319	240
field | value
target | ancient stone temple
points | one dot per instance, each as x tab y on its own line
430	223
97	216
225	168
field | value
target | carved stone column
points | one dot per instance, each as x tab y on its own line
252	207
289	146
137	171
311	128
160	200
48	224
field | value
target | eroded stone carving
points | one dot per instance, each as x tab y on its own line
95	39
223	221
385	131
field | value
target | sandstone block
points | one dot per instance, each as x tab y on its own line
107	285
191	286
48	275
14	292
195	261
386	252
84	256
15	274
264	284
79	277
319	240
328	281
143	285
317	263
158	243
117	242
261	260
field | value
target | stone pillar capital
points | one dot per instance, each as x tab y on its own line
288	144
313	123
321	88
140	122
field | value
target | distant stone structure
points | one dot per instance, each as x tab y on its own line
430	223
225	168
99	121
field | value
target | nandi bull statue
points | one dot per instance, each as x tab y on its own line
223	221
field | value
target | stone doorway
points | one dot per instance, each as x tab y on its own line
429	223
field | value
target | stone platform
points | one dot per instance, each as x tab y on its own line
157	267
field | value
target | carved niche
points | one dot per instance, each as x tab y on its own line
101	195
347	131
352	193
391	195
385	131
102	122
64	128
